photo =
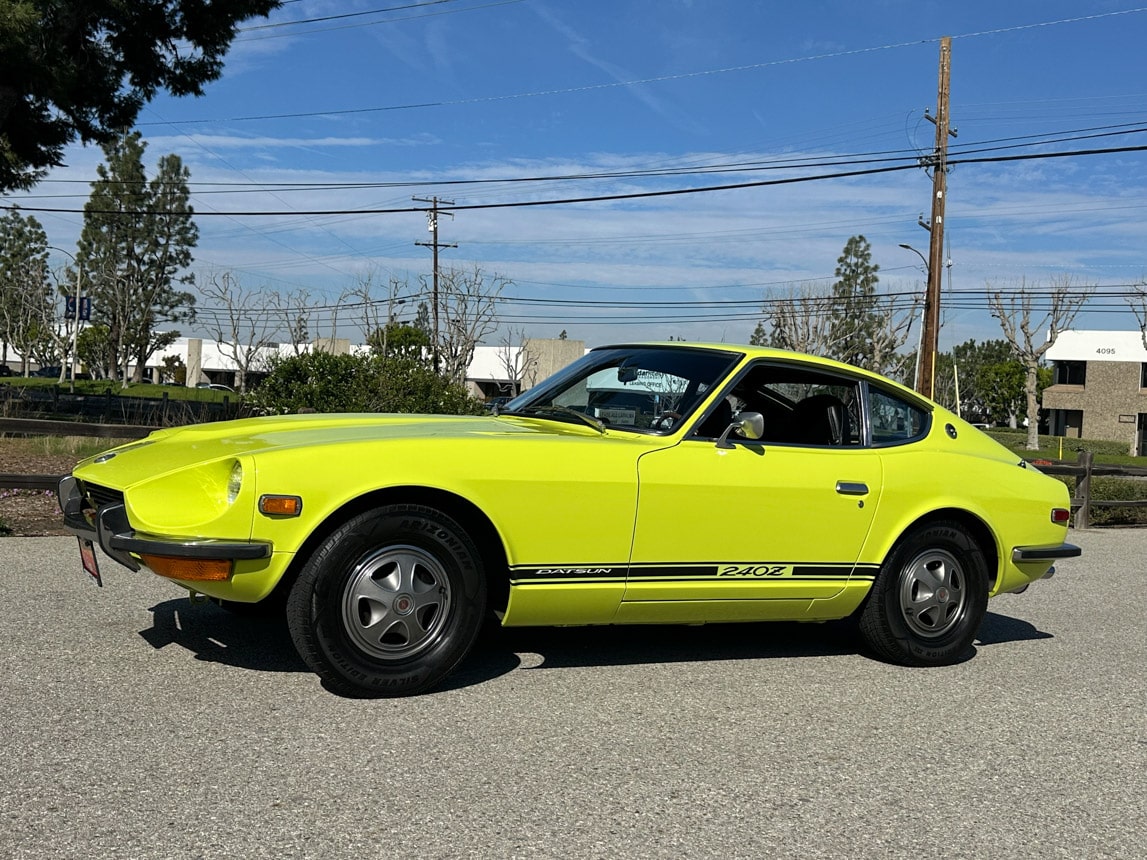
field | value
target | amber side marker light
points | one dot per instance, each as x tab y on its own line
1060	516
280	506
190	569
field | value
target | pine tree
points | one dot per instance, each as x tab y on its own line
137	238
856	324
25	293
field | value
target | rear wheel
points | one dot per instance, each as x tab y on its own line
929	598
390	603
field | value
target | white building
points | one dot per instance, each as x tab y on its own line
493	371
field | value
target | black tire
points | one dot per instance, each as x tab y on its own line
928	599
389	604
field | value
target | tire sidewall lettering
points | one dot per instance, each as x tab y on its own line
319	631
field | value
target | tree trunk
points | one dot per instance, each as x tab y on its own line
1031	388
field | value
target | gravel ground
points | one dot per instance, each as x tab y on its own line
30	513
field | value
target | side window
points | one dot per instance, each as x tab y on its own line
801	405
893	420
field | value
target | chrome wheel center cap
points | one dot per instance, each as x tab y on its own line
942	594
403	604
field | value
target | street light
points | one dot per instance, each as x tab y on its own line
923	259
925	368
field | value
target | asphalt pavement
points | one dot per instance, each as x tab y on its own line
136	724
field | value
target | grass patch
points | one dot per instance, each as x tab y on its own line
78	447
142	389
1050	447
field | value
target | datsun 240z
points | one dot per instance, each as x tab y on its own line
645	483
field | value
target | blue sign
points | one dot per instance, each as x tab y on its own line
85	308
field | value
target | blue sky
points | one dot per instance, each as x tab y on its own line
463	90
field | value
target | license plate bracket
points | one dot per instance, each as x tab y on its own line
88	559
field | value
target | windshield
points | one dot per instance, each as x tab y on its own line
645	388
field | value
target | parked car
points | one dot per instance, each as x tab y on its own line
215	386
5	370
495	404
646	483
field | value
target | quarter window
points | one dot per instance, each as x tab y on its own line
894	420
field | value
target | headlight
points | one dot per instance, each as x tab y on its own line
235	482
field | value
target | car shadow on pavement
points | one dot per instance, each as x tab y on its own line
646	643
218	636
264	645
997	629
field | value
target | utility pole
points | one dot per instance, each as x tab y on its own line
938	161
432	226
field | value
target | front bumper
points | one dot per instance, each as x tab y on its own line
108	527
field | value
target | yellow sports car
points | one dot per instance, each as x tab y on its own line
645	483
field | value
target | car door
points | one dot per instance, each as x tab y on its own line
783	517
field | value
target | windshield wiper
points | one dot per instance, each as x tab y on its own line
596	423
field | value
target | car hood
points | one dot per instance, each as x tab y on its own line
170	450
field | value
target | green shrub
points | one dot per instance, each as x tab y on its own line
324	382
1113	490
1122	490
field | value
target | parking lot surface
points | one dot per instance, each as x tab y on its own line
136	724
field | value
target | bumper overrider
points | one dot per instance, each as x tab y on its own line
108	527
1042	555
1024	554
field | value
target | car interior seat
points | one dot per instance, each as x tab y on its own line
820	420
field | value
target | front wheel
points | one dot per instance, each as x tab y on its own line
390	603
929	598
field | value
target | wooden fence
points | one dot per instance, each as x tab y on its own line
37	427
109	407
1083	470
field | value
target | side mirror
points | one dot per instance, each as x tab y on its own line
747	425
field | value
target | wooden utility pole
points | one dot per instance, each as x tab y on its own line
939	164
432	226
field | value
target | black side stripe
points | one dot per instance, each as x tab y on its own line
673	573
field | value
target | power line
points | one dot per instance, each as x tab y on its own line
394	20
635	195
843	160
672	77
278	24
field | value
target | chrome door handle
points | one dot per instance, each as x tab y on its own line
852	488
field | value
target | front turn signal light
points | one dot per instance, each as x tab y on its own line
1060	516
190	569
280	506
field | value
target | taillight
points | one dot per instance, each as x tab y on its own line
1060	516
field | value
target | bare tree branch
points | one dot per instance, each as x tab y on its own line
293	312
518	362
468	314
1015	309
241	324
1138	304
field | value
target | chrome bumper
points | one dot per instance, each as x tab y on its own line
109	528
1022	554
